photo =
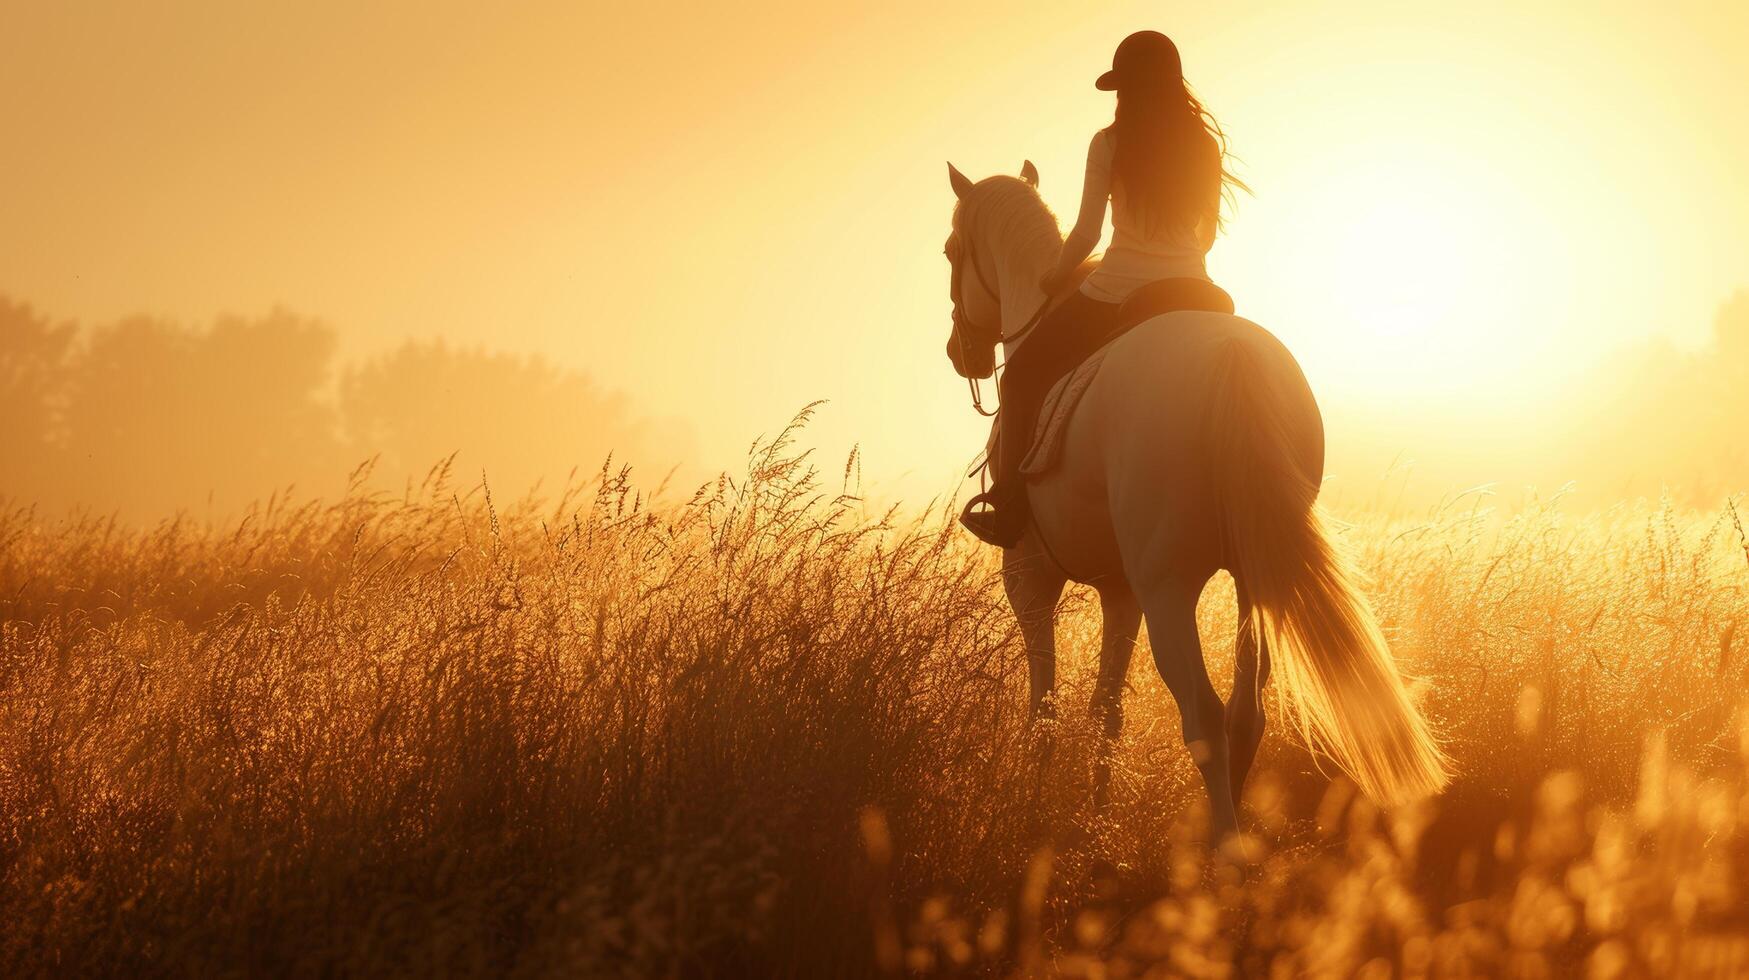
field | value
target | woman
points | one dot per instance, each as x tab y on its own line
1161	166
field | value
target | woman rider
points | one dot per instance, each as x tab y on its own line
1161	164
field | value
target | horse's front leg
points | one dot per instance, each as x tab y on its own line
1034	585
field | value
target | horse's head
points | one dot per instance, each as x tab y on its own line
977	306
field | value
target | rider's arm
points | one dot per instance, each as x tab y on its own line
1090	223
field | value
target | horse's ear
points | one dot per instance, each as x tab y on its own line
962	185
1029	173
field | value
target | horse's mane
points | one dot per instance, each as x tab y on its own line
1014	219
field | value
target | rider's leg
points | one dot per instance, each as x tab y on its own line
1056	345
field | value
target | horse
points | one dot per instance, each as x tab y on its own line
1196	447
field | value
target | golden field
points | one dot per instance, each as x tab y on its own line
766	731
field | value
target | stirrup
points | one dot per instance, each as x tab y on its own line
1002	525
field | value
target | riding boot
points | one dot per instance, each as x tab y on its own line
999	515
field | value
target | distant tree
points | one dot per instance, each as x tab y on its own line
161	417
148	417
519	419
1655	419
1724	389
34	374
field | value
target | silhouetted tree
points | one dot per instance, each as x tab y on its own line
161	417
519	419
1655	419
34	375
150	417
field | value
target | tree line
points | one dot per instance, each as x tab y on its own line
147	417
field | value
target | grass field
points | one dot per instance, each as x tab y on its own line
766	732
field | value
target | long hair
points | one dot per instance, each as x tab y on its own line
1170	156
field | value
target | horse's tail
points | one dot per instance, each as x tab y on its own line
1341	686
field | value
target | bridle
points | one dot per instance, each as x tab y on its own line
964	327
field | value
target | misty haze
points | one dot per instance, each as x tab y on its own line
808	489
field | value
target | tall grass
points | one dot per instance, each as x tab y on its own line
764	732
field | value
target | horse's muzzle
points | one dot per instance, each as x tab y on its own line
978	363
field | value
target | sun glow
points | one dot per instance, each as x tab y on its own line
1419	253
1407	272
1452	206
1404	266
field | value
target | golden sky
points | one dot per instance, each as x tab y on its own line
731	212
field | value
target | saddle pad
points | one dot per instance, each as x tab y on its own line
1144	305
1053	416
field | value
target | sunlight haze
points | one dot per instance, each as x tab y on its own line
728	213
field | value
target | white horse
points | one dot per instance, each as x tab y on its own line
1198	446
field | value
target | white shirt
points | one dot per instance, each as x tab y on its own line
1138	255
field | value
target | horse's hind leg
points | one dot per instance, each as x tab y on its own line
1245	714
1171	610
1117	644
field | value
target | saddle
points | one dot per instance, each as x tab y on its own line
1146	303
1170	296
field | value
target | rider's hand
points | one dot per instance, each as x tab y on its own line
1053	283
